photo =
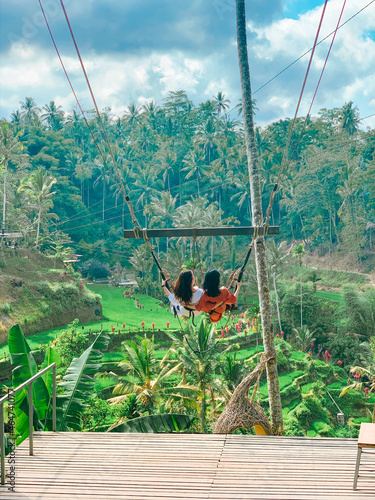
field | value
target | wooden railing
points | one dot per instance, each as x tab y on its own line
29	384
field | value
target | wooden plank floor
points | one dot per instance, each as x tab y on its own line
100	466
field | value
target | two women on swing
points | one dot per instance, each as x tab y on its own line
189	300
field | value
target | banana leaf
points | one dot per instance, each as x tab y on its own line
165	422
25	368
52	356
78	384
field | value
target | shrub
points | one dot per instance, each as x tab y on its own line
349	349
6	308
95	269
72	342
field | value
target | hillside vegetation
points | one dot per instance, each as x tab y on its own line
39	297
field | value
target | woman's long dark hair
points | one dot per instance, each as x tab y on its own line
211	283
182	287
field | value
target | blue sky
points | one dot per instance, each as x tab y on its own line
138	51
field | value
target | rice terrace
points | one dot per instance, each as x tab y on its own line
187	254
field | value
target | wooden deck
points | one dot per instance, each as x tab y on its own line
100	466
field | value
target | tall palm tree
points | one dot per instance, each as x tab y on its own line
30	111
103	177
349	118
299	252
276	257
194	162
257	220
167	159
162	209
38	188
53	115
222	104
10	148
207	137
132	115
146	184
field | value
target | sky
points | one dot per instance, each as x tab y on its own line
138	51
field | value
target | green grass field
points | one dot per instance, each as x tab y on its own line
336	297
116	311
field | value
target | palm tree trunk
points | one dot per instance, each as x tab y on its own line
277	301
4	199
202	416
103	197
257	219
38	227
300	284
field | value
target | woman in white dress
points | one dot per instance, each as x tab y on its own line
185	294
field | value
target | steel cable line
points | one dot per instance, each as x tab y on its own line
273	193
126	197
320	41
305	53
70	83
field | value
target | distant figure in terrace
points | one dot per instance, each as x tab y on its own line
185	295
214	299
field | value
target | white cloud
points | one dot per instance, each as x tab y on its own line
350	70
177	72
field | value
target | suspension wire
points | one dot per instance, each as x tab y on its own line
272	197
304	54
312	48
71	86
137	228
126	197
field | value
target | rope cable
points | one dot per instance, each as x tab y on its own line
126	197
70	83
294	119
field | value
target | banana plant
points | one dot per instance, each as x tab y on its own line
165	422
25	368
78	383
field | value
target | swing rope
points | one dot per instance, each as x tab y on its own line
283	161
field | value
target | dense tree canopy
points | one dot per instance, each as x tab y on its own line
173	155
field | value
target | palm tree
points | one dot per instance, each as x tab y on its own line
38	188
303	339
167	159
222	104
190	215
276	257
30	111
257	220
53	115
349	118
103	177
207	137
146	184
162	207
194	162
133	115
199	353
232	371
146	377
298	252
10	147
16	120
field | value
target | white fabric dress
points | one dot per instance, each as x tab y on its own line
181	310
